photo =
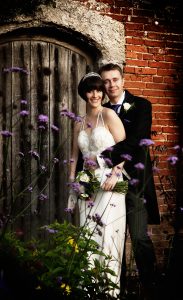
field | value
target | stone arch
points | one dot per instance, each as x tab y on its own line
100	35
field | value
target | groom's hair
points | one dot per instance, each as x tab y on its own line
110	67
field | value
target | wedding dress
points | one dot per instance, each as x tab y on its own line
109	206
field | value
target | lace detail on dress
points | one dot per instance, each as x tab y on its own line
99	139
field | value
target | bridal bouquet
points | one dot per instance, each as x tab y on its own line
91	183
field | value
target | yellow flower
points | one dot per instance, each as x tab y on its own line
73	244
66	287
38	287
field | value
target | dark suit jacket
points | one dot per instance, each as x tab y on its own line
137	122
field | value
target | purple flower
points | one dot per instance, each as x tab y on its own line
64	112
71	160
55	128
69	210
155	169
134	182
42	197
55	160
34	154
110	149
172	160
139	166
78	119
42	127
30	189
64	161
146	142
89	163
176	147
97	218
108	162
43	118
43	169
89	125
52	231
59	280
21	154
75	186
24	113
15	69
6	133
127	157
90	204
23	101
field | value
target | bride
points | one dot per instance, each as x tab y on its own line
101	128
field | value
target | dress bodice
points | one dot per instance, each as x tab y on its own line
99	139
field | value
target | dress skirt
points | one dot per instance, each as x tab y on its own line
107	220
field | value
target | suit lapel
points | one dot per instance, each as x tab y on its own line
129	98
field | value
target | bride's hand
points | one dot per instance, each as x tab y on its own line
110	182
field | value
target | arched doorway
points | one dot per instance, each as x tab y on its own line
39	77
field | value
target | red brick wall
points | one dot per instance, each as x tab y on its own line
154	64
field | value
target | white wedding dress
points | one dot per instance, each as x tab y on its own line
110	206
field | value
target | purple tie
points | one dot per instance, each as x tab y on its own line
115	107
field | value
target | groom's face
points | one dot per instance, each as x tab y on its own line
114	83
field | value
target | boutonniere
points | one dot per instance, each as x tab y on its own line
128	106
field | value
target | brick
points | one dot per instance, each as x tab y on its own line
162	65
170	129
133	62
162	108
134	41
166	72
156	86
133	26
148	56
153	93
158	79
139	85
136	48
146	71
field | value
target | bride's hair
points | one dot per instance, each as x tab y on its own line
89	82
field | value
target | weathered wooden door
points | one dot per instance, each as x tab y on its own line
38	79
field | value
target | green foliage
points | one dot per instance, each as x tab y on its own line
60	261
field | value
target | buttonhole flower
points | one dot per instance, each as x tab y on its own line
127	106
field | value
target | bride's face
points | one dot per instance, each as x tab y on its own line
94	98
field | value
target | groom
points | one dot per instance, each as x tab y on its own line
141	200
